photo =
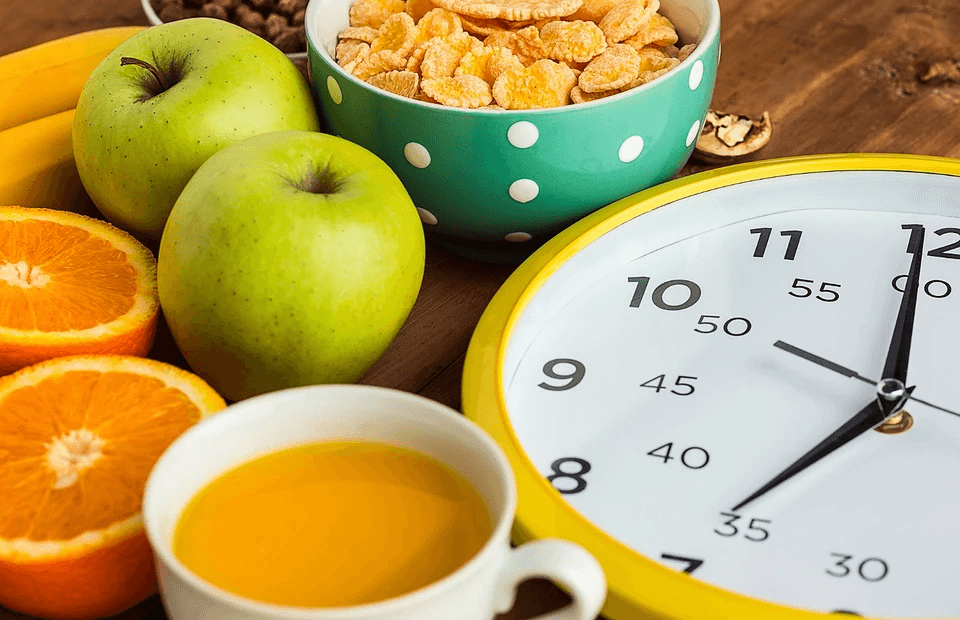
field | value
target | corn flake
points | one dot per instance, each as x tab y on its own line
501	38
418	8
654	59
594	10
351	49
658	30
351	66
670	50
524	43
530	36
443	54
397	34
403	83
361	33
416	58
484	27
573	41
616	67
379	62
422	96
437	23
533	54
372	13
650	71
544	84
513	10
462	91
488	63
647	76
578	96
626	18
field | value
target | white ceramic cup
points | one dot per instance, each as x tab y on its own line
484	586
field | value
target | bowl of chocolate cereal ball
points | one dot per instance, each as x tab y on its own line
277	21
509	120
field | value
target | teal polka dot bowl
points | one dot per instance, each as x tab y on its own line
493	185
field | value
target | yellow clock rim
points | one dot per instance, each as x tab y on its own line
638	587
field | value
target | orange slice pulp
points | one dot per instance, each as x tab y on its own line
69	285
78	438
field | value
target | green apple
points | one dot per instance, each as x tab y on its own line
291	258
144	125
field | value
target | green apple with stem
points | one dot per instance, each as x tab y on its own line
167	99
291	258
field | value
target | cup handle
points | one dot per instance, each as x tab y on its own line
564	562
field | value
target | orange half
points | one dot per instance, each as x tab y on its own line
78	438
69	285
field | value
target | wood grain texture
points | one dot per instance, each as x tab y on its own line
835	77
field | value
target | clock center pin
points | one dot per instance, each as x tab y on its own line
893	390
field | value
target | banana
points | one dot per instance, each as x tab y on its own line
36	164
46	79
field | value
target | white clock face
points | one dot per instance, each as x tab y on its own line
642	379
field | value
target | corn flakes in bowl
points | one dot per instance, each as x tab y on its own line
508	120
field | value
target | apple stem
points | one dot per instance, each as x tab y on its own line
125	60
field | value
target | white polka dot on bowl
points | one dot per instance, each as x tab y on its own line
518	237
523	134
334	89
693	133
630	149
524	190
426	217
417	155
696	75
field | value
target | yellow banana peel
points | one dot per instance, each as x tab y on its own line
37	168
46	79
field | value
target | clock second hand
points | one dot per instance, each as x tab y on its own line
846	372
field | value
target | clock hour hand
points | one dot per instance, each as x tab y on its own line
843	370
891	395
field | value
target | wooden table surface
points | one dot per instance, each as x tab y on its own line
835	77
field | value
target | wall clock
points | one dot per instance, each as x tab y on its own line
741	390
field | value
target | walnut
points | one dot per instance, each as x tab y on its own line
214	10
288	41
939	72
275	25
173	11
264	6
246	17
729	138
278	21
229	5
291	7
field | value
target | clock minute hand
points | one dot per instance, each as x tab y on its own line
898	355
886	405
